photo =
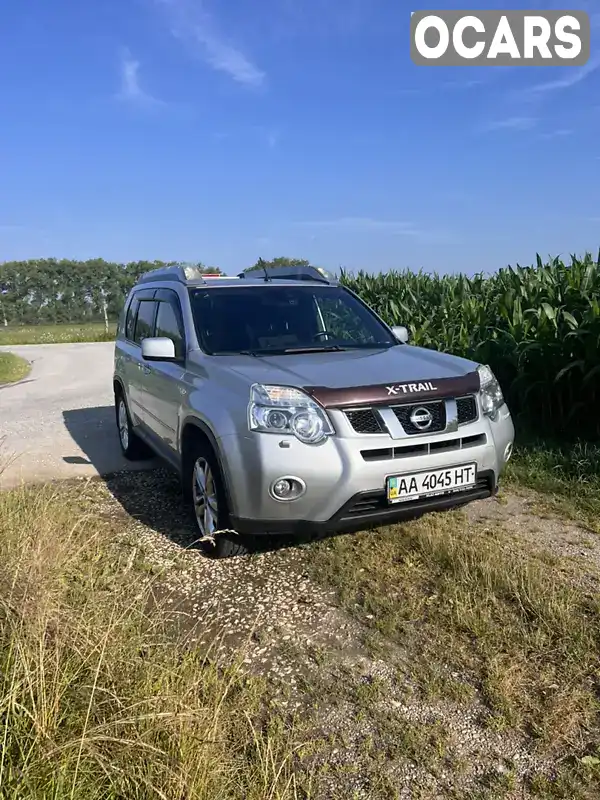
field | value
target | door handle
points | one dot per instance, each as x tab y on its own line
146	370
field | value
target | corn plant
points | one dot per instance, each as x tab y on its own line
538	327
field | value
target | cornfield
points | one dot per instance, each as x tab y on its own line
538	327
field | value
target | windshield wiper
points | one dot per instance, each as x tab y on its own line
235	353
327	349
281	351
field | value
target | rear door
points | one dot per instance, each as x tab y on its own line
164	383
129	365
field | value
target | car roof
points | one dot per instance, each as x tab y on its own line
193	276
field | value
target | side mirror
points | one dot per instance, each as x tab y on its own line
158	348
401	333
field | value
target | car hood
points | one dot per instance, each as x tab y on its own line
351	368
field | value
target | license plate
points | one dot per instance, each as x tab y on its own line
413	486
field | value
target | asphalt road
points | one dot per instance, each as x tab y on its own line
59	422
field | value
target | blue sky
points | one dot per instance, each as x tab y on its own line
225	131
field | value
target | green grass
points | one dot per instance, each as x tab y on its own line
96	701
57	334
477	614
12	368
567	477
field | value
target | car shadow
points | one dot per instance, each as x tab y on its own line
94	431
147	491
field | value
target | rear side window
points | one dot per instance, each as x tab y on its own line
168	323
144	326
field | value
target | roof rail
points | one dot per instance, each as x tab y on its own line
175	272
290	273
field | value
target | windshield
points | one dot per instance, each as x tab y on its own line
275	319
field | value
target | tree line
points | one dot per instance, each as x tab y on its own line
53	291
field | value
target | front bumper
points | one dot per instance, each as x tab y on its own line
345	476
368	509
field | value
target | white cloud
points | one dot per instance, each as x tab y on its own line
559	132
225	57
511	123
572	78
466	84
191	24
131	90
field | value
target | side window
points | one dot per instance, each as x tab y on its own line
144	326
131	317
343	321
168	323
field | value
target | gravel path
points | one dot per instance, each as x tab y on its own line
59	421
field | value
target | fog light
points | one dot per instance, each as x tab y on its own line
508	451
287	488
283	488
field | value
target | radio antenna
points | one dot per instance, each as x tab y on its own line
262	264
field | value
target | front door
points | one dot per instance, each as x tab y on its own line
164	383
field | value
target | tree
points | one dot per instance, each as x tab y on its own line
279	262
54	291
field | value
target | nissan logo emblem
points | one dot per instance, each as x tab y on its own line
421	418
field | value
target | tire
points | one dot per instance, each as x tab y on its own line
205	491
132	447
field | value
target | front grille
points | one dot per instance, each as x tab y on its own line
466	408
365	420
367	505
437	411
368	421
406	451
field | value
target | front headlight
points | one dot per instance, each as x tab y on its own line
283	409
492	398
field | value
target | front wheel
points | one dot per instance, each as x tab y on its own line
210	507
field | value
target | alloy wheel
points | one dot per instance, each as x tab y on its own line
204	493
123	424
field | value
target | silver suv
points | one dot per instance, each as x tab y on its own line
288	406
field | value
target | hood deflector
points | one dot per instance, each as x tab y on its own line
395	393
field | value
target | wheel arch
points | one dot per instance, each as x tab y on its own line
118	387
193	430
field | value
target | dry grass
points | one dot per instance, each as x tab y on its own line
96	701
461	621
12	368
477	616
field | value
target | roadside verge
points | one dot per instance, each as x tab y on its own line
12	368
